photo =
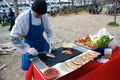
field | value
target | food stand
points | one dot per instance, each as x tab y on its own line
89	70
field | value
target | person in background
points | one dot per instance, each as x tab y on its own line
30	25
5	17
12	22
96	8
1	20
11	18
10	14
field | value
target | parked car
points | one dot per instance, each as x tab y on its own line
22	6
52	6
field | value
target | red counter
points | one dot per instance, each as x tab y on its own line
90	71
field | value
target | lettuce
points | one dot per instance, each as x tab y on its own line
103	41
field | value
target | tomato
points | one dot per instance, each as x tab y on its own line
87	37
93	46
84	44
79	40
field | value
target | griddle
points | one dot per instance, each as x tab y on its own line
60	57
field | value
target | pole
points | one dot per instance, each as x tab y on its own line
115	11
16	7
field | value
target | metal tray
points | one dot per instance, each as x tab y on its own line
64	69
42	62
60	57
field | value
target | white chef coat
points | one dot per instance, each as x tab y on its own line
21	28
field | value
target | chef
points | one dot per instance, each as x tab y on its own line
30	25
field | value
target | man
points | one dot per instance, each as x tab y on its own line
5	17
10	14
31	24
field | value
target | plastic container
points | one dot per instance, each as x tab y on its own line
107	53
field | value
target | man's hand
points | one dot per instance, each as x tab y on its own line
32	51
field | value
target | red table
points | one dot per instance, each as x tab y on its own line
90	71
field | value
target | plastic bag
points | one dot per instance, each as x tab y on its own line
103	31
113	43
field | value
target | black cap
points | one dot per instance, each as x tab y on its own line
39	6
